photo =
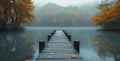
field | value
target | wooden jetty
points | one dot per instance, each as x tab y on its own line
59	47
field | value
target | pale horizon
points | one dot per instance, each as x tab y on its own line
66	3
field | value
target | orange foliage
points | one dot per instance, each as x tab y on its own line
109	12
16	12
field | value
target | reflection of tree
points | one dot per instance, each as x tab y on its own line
108	46
13	49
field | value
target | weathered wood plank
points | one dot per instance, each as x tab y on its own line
59	48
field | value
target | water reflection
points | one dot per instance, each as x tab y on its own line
108	44
94	45
97	45
15	47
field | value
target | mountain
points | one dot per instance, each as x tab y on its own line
55	15
51	8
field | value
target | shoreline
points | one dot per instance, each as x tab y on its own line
7	29
24	28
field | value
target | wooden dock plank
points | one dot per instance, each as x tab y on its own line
59	48
59	60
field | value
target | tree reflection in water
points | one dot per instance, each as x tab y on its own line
108	43
14	47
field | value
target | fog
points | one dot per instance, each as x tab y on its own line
67	2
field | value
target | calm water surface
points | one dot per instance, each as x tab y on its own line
94	45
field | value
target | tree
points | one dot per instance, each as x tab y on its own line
109	16
15	12
23	12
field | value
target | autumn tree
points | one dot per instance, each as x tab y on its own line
15	12
109	16
23	12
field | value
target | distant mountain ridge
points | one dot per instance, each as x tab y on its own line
55	15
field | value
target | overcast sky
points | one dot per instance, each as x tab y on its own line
67	2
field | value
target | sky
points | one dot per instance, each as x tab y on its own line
67	2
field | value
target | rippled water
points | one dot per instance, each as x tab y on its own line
94	45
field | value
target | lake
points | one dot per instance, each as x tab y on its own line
94	45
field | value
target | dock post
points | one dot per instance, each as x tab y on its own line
77	46
69	37
53	33
41	46
49	37
65	33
